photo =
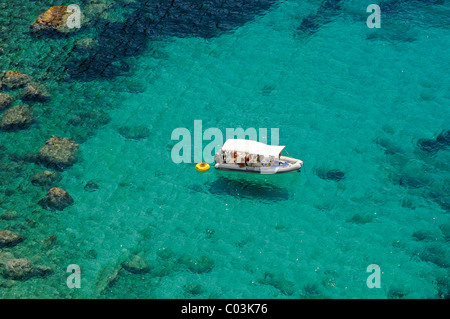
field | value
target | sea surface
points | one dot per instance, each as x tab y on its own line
354	103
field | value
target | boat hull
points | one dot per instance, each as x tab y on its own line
294	165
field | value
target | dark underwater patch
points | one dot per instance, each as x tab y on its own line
205	19
326	13
332	174
158	19
434	145
243	189
136	132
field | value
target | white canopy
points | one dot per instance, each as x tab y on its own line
252	147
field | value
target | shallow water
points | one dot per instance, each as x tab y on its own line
344	97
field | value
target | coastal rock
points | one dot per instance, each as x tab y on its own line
58	152
15	80
53	20
35	92
9	238
56	199
5	100
17	117
18	269
136	265
45	178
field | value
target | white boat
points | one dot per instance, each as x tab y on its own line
254	157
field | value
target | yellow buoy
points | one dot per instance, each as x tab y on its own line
202	167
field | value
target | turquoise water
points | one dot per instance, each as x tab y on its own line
344	97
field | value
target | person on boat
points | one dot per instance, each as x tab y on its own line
240	159
254	161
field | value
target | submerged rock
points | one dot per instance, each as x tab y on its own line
22	269
35	92
136	265
18	269
437	254
332	174
45	178
53	20
42	271
9	215
5	256
9	238
17	117
433	145
56	199
193	289
326	13
107	278
86	44
426	235
49	241
199	265
5	100
135	132
58	152
91	186
15	80
361	218
429	145
285	286
444	138
445	229
411	181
